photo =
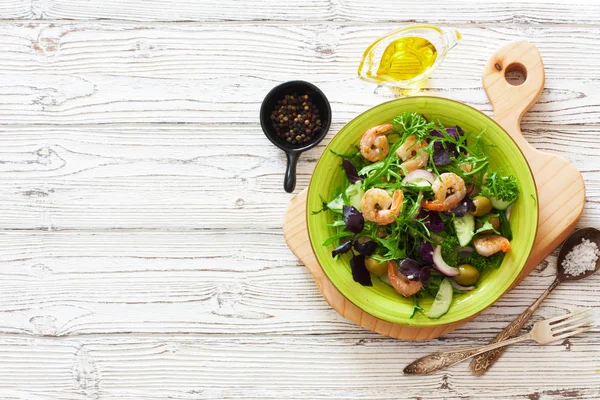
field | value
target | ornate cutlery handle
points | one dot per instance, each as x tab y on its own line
483	362
436	361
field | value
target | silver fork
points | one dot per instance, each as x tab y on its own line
543	332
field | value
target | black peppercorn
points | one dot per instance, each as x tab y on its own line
296	118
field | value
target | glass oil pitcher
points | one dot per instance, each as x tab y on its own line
404	59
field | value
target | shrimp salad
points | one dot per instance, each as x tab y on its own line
421	210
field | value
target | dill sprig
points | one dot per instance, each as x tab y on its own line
502	187
413	124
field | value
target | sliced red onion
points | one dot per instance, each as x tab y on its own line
465	251
416	214
441	265
460	287
419	174
471	189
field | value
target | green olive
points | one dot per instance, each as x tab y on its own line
483	206
467	275
494	221
375	267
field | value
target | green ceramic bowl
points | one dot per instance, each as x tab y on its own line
381	300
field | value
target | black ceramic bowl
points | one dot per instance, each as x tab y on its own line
293	151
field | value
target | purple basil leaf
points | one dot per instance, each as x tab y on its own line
441	156
360	273
450	149
366	248
342	248
351	171
463	207
424	274
410	268
353	219
455	132
426	252
434	222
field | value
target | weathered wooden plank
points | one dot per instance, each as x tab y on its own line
269	51
315	367
557	12
180	177
169	276
114	73
81	283
17	9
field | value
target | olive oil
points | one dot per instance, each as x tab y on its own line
403	59
406	58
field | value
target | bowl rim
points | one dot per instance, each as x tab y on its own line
432	322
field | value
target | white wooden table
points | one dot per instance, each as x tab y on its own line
141	251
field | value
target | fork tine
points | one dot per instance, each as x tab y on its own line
571	327
561	317
572	320
569	334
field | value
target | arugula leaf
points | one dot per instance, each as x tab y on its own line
324	206
335	237
486	228
337	224
505	229
416	307
347	156
432	286
382	168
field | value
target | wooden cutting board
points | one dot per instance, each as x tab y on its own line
560	189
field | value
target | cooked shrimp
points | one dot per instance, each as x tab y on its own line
466	167
449	190
412	153
377	205
488	245
374	144
401	283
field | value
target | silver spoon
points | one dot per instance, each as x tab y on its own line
484	361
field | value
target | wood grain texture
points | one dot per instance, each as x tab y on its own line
141	257
560	188
176	367
75	73
556	12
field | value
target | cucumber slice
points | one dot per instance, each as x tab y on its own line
336	204
442	300
465	228
355	194
419	184
500	204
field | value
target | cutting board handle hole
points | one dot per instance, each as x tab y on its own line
516	74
